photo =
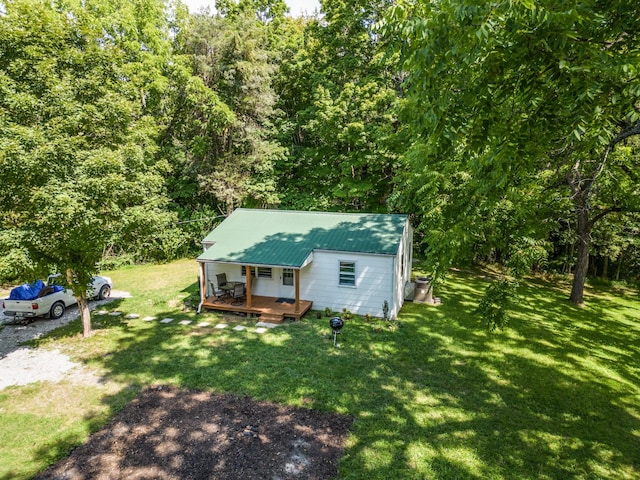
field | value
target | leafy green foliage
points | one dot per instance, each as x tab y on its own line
233	160
15	263
495	304
77	148
506	131
339	100
520	105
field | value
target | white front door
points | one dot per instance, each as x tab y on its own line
286	283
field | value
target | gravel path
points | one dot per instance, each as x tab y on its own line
22	365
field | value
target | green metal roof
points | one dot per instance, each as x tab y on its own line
286	237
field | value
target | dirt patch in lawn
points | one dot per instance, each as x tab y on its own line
168	433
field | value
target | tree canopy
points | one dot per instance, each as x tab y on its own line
521	106
77	150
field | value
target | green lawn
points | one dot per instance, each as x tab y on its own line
556	395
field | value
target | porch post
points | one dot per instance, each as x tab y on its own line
247	272
203	286
296	282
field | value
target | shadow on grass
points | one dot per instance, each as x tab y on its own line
554	396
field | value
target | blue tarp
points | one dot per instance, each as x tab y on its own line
30	291
26	291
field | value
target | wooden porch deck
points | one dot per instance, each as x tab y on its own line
267	307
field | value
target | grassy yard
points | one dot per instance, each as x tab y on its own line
556	395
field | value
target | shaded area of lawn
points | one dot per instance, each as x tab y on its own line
554	396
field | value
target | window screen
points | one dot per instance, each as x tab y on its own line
260	272
264	272
348	274
287	276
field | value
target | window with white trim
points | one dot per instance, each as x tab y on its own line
287	276
260	272
243	271
347	276
265	272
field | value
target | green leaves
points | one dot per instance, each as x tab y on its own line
78	154
223	117
341	105
494	306
522	100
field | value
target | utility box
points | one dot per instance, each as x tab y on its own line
424	291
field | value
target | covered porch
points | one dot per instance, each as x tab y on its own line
269	308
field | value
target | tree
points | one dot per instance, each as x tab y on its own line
265	10
231	56
339	99
77	149
522	99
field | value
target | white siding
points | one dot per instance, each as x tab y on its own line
212	269
319	282
402	269
268	287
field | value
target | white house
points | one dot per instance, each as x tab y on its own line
335	260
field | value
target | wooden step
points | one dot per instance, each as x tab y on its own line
272	318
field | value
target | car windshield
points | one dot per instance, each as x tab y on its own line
55	280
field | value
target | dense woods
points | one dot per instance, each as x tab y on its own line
507	130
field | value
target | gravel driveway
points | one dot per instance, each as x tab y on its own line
22	365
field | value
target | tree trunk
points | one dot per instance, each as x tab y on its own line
581	189
605	267
619	267
85	315
83	305
582	252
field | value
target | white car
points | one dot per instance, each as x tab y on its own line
50	300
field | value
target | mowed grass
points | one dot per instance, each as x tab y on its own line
555	395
